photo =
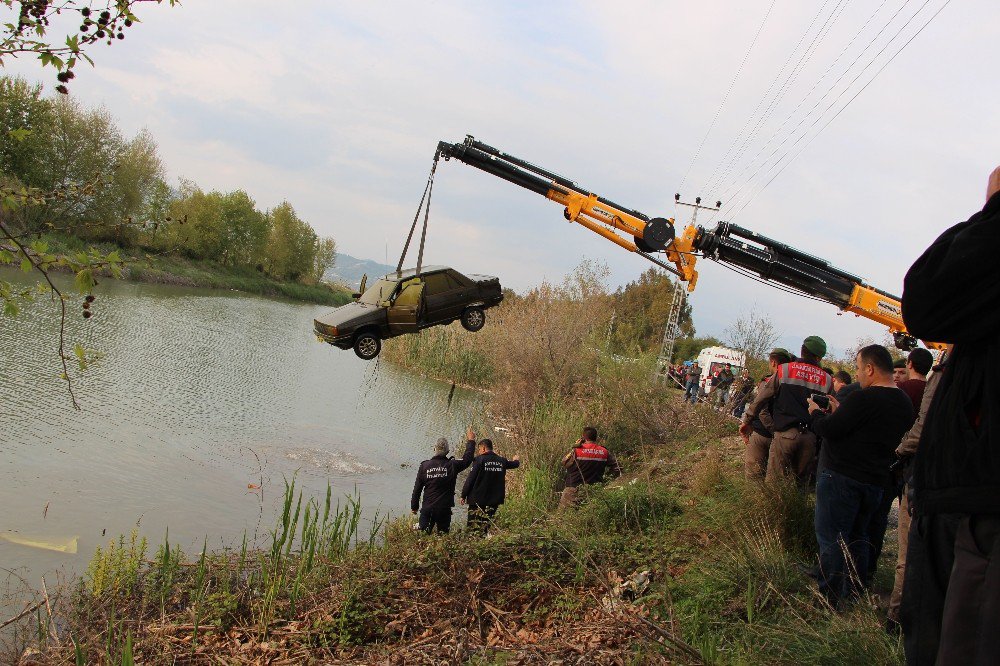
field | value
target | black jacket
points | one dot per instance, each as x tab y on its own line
952	295
587	463
436	479
486	484
860	438
786	392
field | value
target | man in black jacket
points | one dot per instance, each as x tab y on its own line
486	486
436	480
951	595
859	444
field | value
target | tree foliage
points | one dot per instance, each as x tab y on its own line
30	26
641	311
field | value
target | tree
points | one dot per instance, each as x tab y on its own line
326	256
99	22
754	335
292	248
642	309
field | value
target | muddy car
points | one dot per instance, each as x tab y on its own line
406	302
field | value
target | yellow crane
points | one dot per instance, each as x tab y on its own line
656	239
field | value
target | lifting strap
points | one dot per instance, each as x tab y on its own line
428	190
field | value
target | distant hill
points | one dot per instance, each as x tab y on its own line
348	270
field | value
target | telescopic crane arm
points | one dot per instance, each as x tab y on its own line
728	244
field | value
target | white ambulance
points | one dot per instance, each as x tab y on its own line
713	360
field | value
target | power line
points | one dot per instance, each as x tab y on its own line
726	96
804	59
855	96
749	181
760	103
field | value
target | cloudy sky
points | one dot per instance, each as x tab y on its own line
338	106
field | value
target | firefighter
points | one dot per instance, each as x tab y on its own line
793	447
436	480
485	487
585	464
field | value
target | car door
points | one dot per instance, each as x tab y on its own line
437	298
404	312
461	292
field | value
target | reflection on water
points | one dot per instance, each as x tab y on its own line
199	395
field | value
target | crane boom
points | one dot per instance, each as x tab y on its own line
728	244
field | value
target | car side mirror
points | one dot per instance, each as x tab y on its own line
356	295
385	304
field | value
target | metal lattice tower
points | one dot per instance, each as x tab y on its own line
670	332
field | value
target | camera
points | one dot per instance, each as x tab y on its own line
821	399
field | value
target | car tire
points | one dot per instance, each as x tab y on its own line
473	319
367	345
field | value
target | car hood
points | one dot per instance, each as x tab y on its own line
351	314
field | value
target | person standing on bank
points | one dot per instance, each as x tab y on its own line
758	442
793	447
859	444
692	384
485	487
436	480
951	594
586	464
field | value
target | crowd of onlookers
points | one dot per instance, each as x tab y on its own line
921	431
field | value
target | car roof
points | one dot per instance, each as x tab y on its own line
411	272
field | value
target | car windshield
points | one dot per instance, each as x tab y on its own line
378	292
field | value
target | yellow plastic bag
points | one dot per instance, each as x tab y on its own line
64	546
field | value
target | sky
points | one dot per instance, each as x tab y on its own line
337	107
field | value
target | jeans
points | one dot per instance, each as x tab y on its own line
691	392
844	509
431	518
878	525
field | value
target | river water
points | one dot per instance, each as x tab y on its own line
198	394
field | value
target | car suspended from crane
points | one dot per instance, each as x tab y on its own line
656	239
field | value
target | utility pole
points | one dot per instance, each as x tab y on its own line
677	302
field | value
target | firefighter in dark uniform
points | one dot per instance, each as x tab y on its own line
793	447
586	463
486	486
436	480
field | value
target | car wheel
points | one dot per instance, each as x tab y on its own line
473	319
367	345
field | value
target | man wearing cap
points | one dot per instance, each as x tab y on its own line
436	480
793	448
758	440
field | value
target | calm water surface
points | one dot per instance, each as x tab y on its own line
198	394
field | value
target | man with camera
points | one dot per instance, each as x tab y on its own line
793	447
859	440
